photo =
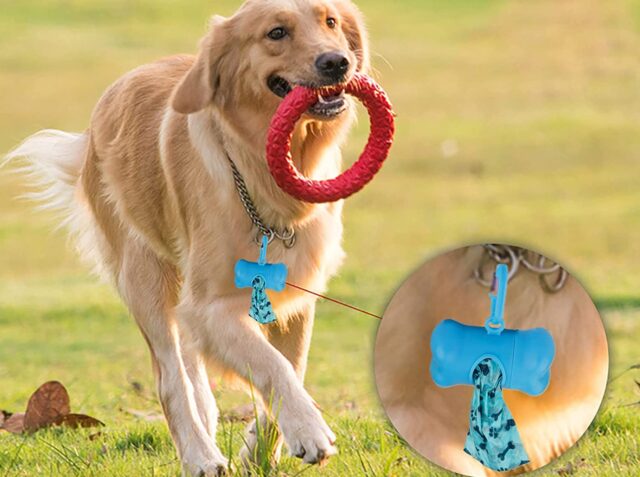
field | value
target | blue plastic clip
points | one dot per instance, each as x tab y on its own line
525	356
495	323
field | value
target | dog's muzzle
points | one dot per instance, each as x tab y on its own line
328	106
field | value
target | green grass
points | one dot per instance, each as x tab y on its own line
538	105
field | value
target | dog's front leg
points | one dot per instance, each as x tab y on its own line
293	341
231	337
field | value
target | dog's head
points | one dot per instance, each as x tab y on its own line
252	60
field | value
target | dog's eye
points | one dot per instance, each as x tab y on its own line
277	33
331	23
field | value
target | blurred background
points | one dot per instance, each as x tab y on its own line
517	122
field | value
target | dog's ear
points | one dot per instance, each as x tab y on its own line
354	29
197	88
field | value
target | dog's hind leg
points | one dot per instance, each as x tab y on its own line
293	342
149	286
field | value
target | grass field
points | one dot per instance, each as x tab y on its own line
517	122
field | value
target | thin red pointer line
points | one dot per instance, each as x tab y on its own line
334	301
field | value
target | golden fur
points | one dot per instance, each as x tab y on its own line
433	420
148	192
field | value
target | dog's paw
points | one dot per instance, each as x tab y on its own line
218	467
307	435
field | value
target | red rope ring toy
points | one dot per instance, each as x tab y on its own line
295	104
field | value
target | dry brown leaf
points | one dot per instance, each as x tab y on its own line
14	424
49	403
4	415
48	406
76	421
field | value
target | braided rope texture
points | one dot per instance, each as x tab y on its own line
360	173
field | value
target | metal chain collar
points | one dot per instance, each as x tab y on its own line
286	235
551	275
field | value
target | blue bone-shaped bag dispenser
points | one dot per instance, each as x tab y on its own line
525	356
261	276
274	274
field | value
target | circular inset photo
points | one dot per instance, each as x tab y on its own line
491	360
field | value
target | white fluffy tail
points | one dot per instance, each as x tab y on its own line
52	163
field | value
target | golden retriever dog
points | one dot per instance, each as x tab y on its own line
148	192
435	420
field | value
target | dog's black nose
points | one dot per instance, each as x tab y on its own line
332	65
